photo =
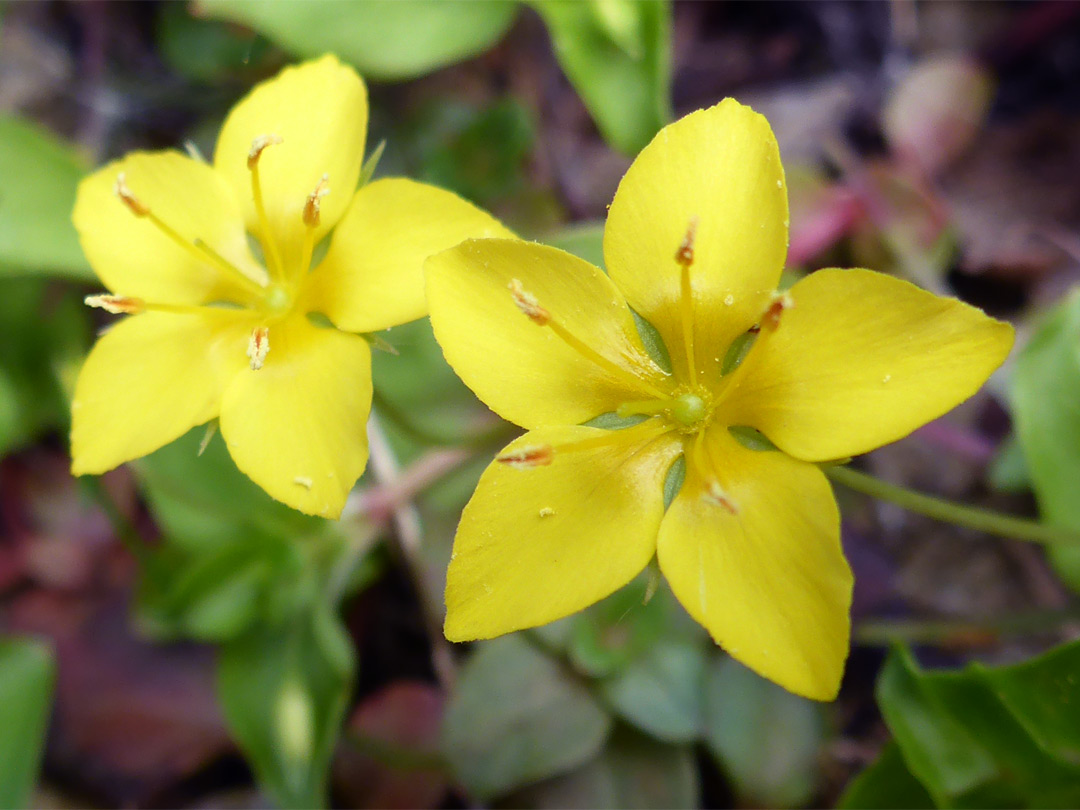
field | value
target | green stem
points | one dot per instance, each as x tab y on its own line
927	631
983	520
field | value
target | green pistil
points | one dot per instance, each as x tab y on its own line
688	409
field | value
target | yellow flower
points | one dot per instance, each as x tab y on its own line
213	332
844	362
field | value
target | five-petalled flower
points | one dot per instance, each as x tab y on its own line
843	362
270	347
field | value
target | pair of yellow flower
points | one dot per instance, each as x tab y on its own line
696	238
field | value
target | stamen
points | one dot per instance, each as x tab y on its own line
528	304
116	304
127	198
705	468
531	308
312	214
531	455
780	301
270	250
258	347
198	249
684	257
715	494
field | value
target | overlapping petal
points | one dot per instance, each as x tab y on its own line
134	257
150	379
297	426
538	544
319	110
373	274
770	583
526	372
719	168
861	360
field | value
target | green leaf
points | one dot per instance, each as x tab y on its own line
767	739
518	716
27	675
886	784
284	691
206	50
631	772
1004	737
1008	470
618	629
585	240
38	178
1045	393
661	692
617	54
385	40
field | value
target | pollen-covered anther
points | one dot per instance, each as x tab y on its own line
780	302
685	254
312	208
258	347
128	198
528	304
714	493
257	147
527	457
116	304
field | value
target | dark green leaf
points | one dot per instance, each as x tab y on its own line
38	178
616	53
1005	737
766	738
518	716
661	692
585	240
284	691
205	50
27	674
886	784
1045	393
385	40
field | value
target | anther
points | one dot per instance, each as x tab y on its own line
116	304
531	455
313	204
780	302
685	254
127	198
714	493
258	347
528	304
257	147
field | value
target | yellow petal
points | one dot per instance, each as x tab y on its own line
720	169
769	582
524	371
134	257
297	427
861	360
538	544
150	379
373	274
319	111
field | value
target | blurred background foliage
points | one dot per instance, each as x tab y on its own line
197	644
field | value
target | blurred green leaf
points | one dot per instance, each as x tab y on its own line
618	629
661	692
766	738
631	772
585	240
1002	737
204	501
385	40
518	716
284	691
205	50
27	675
617	54
44	331
886	784
1045	393
38	178
1008	471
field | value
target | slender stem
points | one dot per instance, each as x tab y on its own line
969	631
983	520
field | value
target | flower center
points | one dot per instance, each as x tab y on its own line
688	409
277	300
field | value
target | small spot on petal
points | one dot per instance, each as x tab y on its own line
886	378
303	481
729	299
528	456
547	511
258	347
